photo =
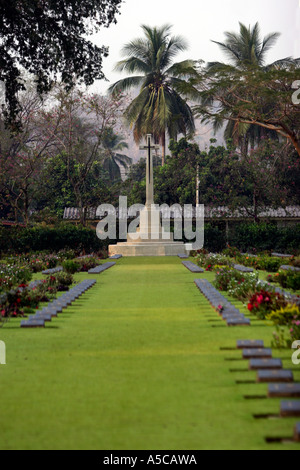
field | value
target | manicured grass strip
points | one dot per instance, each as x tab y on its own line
137	364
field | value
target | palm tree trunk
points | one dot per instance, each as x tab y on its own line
163	143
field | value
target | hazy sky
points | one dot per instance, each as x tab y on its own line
199	21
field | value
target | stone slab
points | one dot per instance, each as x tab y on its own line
116	257
183	256
284	390
192	267
33	324
276	376
52	271
238	322
268	364
243	269
290	409
290	268
250	344
41	316
280	255
297	432
257	353
233	316
102	268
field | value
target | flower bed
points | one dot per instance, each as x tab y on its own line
21	299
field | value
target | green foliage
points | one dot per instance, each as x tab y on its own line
22	240
287	320
215	238
71	266
260	237
49	38
289	280
12	275
224	277
63	281
160	105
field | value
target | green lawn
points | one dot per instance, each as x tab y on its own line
136	364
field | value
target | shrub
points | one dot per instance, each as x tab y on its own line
270	264
289	280
40	238
287	320
71	266
255	238
293	281
87	263
244	288
225	276
11	275
214	238
295	261
63	281
264	302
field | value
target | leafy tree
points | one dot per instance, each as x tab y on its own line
160	106
55	192
22	156
266	177
246	50
78	123
48	39
252	96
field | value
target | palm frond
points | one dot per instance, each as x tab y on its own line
125	84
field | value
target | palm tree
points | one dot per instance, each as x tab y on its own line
161	105
112	161
245	50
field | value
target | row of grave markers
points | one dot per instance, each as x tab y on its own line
280	381
58	305
268	370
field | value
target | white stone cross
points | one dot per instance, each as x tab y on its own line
149	180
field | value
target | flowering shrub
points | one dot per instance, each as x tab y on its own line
244	288
209	261
225	276
22	299
287	320
62	281
87	263
11	275
263	302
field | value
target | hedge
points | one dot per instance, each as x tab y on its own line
38	238
245	237
261	237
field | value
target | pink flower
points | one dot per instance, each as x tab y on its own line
260	299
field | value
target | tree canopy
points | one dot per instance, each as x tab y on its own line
161	104
49	38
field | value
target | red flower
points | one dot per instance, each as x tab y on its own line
260	299
250	307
